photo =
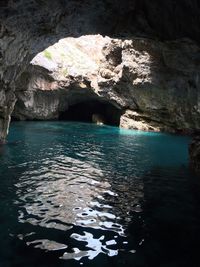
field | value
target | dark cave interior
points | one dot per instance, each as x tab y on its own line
84	112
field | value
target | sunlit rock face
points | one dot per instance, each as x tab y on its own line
27	27
154	84
59	77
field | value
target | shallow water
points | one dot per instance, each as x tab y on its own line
76	194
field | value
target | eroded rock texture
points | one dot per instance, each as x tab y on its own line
154	84
29	26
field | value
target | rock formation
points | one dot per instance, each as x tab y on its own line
154	84
157	82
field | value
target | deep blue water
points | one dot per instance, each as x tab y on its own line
77	194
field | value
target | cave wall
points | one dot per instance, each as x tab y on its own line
156	84
29	26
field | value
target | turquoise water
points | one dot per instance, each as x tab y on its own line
77	194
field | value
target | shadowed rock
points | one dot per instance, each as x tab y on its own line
154	84
194	152
159	80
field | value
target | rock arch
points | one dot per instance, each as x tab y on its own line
27	27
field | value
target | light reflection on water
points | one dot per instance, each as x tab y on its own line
65	192
80	191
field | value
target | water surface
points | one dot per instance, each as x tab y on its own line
77	194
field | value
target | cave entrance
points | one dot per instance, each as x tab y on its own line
93	111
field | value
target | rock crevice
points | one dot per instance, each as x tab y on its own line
154	84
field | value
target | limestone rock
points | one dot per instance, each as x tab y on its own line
156	83
57	78
28	27
133	120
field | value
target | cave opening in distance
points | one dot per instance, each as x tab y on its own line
93	111
67	76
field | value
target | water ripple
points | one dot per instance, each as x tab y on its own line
79	191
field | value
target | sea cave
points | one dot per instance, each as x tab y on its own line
99	133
